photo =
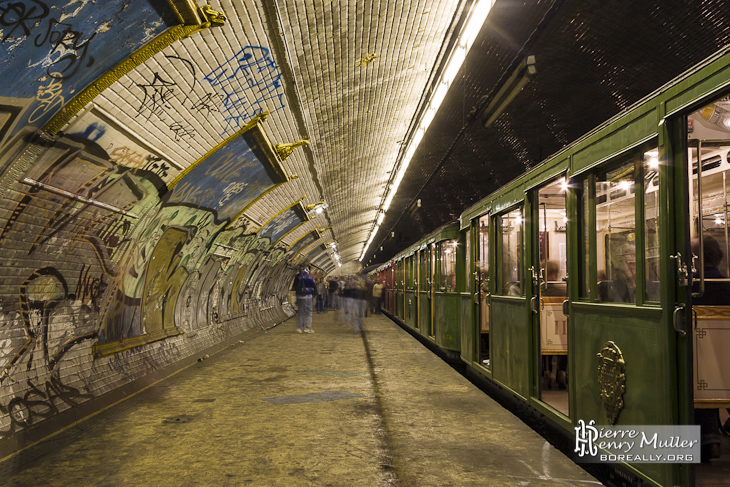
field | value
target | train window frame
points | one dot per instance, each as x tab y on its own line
501	288
586	183
442	262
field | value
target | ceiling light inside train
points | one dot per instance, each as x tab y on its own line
652	159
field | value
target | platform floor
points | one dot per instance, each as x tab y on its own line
332	408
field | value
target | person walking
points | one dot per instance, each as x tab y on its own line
304	287
333	285
377	297
321	293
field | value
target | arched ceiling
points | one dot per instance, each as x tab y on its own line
335	88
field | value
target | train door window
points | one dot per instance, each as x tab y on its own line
651	224
482	284
509	239
447	267
620	220
552	260
616	233
409	272
587	196
466	278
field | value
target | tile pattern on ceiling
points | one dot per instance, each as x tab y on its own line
359	70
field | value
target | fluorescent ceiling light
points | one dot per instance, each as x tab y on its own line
439	96
477	17
457	59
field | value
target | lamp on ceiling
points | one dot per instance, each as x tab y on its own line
508	91
317	207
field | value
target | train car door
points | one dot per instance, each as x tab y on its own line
707	325
431	289
481	289
548	272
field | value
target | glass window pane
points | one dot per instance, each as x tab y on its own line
616	233
447	274
467	255
586	210
483	253
510	253
651	223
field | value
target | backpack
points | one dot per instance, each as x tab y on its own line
301	286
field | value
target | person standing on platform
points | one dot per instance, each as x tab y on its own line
321	293
304	287
377	297
333	285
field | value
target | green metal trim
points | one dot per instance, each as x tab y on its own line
640	312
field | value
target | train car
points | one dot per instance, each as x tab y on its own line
385	274
595	287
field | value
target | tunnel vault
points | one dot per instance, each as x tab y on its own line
132	240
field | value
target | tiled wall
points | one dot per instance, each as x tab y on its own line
103	282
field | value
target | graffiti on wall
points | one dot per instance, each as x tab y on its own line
283	223
303	242
230	179
52	50
123	148
117	270
249	83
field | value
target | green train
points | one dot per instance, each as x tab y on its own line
596	286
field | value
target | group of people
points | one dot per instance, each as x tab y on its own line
353	295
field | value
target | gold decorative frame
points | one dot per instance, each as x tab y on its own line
612	379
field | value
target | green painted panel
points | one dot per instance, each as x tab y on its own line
447	307
424	318
616	141
467	329
643	344
509	335
410	309
715	77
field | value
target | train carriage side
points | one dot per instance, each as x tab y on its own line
443	296
587	261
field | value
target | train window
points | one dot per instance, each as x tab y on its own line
509	228
586	226
616	233
447	267
466	278
426	277
483	254
651	224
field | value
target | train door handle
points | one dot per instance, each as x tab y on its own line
566	307
676	320
535	304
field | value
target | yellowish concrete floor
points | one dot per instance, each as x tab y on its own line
332	408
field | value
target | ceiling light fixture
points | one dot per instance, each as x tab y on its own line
473	26
317	207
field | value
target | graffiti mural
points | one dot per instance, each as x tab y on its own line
100	273
52	50
124	149
283	223
250	73
303	242
230	179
